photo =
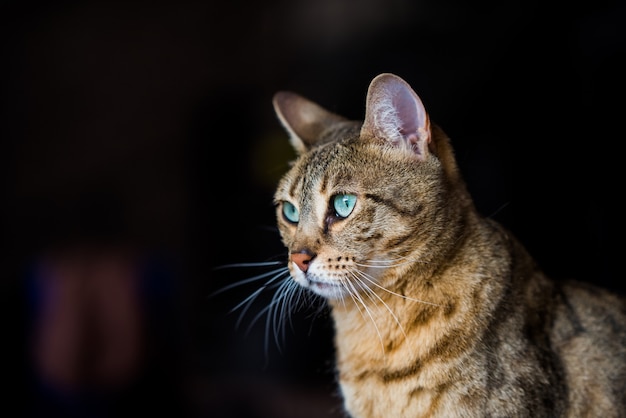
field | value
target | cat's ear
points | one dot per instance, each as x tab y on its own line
395	113
304	120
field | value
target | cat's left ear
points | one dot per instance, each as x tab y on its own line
395	113
304	120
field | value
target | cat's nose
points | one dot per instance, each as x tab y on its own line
302	259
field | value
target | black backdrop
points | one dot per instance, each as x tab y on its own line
150	124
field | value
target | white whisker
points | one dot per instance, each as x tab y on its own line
366	277
364	286
280	302
395	262
287	298
252	297
278	273
258	264
247	302
392	261
356	297
268	308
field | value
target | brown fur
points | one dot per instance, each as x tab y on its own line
438	311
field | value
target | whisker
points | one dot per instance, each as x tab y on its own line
390	263
280	300
357	276
252	297
247	301
357	297
267	308
257	264
366	277
287	298
250	280
498	210
293	300
392	260
345	283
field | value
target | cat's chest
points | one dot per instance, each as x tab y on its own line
388	368
376	398
388	336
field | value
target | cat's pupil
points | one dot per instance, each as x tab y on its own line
344	204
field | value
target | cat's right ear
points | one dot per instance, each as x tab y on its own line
394	113
304	120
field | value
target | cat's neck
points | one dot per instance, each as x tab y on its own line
425	308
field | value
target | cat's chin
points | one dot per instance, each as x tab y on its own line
327	290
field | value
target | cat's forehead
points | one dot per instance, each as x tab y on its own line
317	171
349	164
332	163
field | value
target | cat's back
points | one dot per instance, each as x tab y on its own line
589	333
575	330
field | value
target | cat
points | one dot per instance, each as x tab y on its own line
437	310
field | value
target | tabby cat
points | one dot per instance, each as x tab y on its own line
438	311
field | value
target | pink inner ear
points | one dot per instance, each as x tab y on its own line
411	117
395	113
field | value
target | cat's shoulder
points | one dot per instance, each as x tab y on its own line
593	305
576	288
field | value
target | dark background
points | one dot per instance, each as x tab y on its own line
149	124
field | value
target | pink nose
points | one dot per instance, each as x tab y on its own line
302	260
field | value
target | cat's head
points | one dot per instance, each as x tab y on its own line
366	202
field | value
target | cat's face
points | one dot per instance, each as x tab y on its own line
364	202
350	211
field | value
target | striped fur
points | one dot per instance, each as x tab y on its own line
438	311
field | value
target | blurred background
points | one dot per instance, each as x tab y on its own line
140	151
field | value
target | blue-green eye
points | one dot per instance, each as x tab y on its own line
344	204
290	212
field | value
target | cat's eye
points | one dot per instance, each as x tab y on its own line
344	204
290	212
